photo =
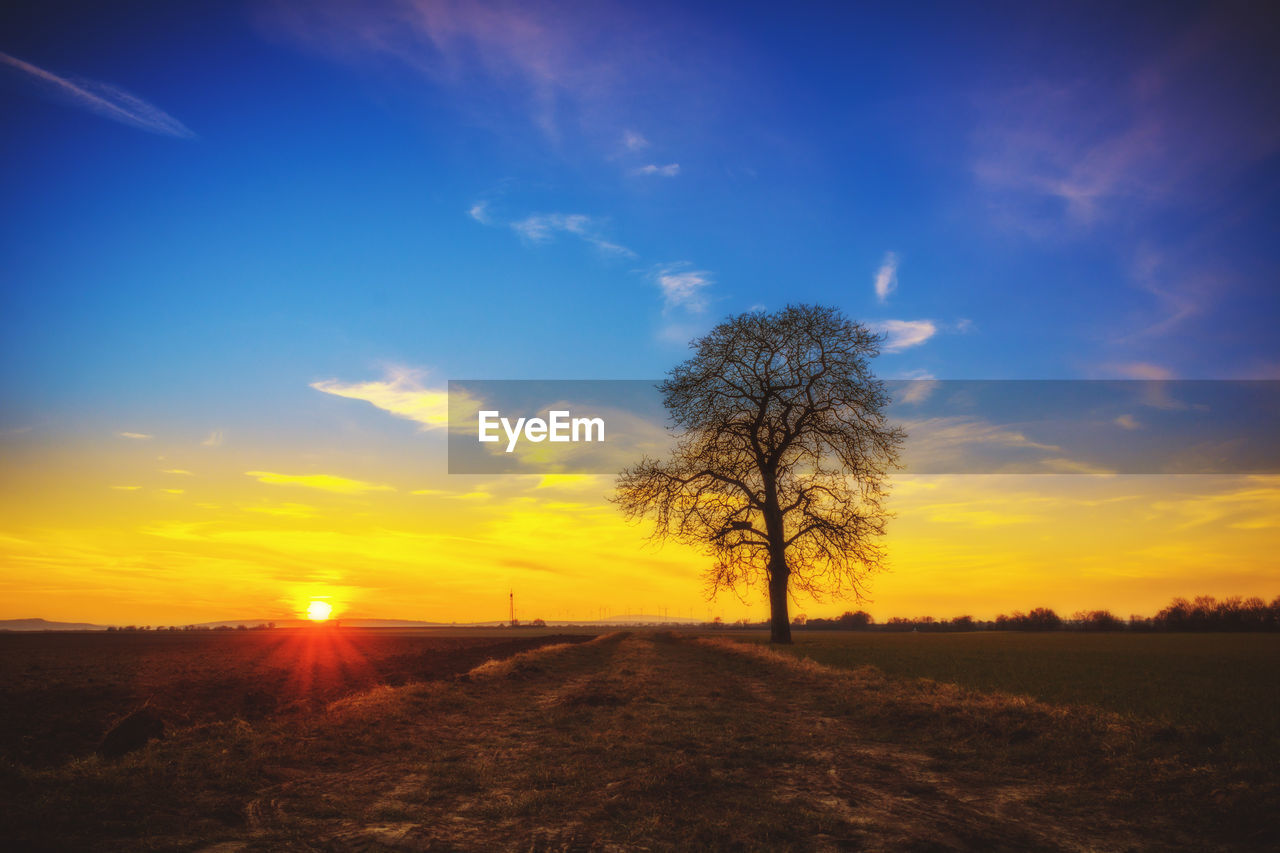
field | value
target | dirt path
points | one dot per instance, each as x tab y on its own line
643	742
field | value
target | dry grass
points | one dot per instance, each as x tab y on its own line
654	742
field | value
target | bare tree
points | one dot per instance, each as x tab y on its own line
781	459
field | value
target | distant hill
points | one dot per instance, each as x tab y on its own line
46	625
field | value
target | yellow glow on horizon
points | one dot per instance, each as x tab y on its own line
433	547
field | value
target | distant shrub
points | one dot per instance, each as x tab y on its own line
856	621
1039	619
1098	620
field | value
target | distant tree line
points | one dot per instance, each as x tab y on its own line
1204	613
1207	614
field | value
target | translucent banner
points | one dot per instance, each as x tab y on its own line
952	426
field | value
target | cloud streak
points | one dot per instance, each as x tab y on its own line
324	482
886	280
904	334
542	228
668	171
103	99
683	288
1173	129
401	393
555	63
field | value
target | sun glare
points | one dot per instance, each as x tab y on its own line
319	611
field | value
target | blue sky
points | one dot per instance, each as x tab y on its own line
211	207
247	244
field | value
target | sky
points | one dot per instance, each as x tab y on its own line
247	245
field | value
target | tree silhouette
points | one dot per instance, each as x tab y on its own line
782	454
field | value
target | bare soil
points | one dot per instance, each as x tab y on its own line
60	692
657	742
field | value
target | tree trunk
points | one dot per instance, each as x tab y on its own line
779	574
779	623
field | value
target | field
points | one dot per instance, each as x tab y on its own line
667	741
61	691
1223	687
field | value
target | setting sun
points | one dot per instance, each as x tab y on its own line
319	611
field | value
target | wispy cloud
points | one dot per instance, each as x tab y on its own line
136	436
1076	466
542	227
559	65
1176	127
1249	506
402	393
964	444
182	471
1180	131
214	439
285	510
1036	149
633	141
683	288
1154	388
324	482
1128	422
904	334
102	99
951	432
886	280
918	390
1181	284
668	171
965	513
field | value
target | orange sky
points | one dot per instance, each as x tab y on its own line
153	531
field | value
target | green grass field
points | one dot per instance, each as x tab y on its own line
1220	685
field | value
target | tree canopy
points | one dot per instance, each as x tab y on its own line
781	457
